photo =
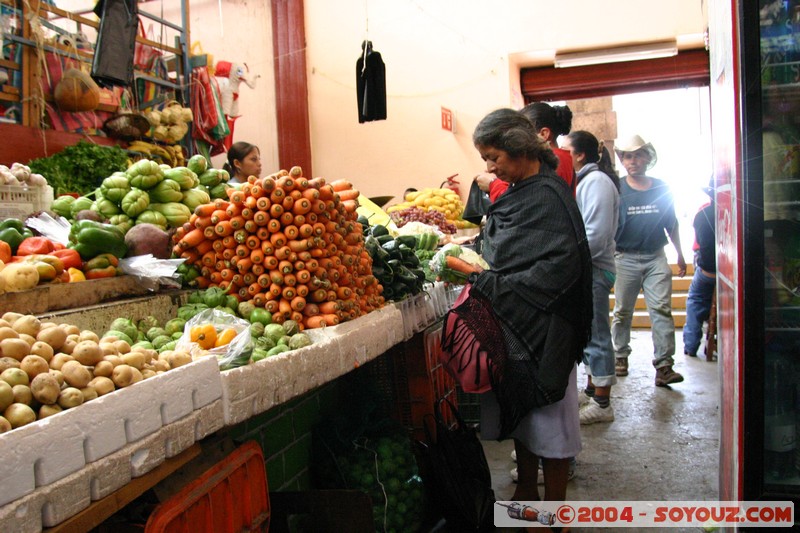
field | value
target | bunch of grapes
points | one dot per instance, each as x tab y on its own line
431	218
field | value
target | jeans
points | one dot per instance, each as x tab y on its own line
598	356
649	272
698	309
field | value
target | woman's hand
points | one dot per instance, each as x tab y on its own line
484	179
459	265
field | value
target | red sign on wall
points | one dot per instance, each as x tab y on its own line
447	120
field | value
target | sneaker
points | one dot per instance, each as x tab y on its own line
666	376
514	455
583	398
621	366
592	413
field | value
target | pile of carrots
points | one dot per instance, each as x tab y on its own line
289	244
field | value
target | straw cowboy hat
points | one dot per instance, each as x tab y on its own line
631	144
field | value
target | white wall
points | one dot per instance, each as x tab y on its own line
451	53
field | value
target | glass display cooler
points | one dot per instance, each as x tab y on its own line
755	101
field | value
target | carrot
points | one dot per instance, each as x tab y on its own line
277	195
459	265
267	247
228	254
278	239
302	290
257	269
302	245
329	307
287	218
202	222
284	308
341	185
226	274
287	203
299	265
249	278
312	217
291	231
257	191
311	309
318	207
262	218
242	250
297	303
286	183
268	184
288	293
193	238
223	228
215	278
351	194
289	279
270	261
219	215
257	256
253	242
264	281
237	222
253	289
284	252
263	233
208	259
319	295
285	267
219	203
260	299
263	203
350	205
311	194
326	192
276	210
237	197
210	232
248	213
251	203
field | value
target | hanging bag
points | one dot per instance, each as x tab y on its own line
471	336
455	472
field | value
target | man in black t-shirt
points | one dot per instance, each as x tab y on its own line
701	291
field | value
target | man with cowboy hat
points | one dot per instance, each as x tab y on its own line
646	218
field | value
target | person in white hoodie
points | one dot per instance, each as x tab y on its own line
597	195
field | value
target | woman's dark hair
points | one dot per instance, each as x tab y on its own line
587	144
557	118
237	152
510	131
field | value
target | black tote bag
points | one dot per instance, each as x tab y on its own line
116	42
455	473
477	204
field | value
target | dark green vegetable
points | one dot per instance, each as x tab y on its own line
92	238
80	168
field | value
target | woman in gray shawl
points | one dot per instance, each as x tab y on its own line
539	288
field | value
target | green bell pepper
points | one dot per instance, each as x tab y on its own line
92	238
14	232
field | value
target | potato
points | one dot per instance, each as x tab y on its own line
122	346
27	338
161	365
8	333
15	376
43	350
103	368
149	353
59	377
148	373
134	359
87	353
70	397
179	358
14	348
88	335
5	425
6	395
54	336
46	324
114	359
22	394
45	388
70	329
11	317
59	359
33	365
89	393
8	362
108	348
75	374
19	414
102	385
68	346
125	375
27	324
49	410
4	323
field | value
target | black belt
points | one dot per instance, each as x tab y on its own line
630	251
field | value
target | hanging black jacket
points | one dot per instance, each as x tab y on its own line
370	85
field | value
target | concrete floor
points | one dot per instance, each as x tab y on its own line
663	444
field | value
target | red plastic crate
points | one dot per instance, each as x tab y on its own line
230	497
